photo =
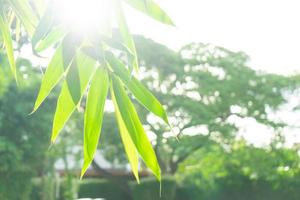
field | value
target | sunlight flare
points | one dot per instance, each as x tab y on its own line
85	15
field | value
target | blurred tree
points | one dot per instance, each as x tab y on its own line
24	138
241	172
205	89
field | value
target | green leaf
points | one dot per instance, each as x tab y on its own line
126	36
150	8
7	40
141	93
113	42
129	146
25	14
50	39
66	104
45	25
93	115
59	64
51	77
134	127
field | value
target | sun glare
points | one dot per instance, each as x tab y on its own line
85	15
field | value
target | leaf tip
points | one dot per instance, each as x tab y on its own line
84	169
33	111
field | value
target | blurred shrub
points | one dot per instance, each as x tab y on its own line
43	188
241	188
36	189
101	188
148	189
182	192
68	188
15	186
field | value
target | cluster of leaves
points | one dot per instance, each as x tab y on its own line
88	61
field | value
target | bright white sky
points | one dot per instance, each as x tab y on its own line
267	30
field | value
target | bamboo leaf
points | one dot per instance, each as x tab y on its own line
25	14
66	104
7	40
141	93
129	146
150	8
93	115
126	36
45	25
53	74
50	39
59	64
134	127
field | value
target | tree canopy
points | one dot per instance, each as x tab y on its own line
204	94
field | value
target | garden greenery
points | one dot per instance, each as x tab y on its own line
94	60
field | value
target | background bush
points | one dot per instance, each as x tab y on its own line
10	189
100	188
148	189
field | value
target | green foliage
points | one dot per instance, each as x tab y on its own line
140	92
24	139
94	115
150	8
68	188
43	188
15	185
149	189
242	172
130	119
95	188
7	40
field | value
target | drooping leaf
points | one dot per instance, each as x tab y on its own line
45	25
129	146
134	127
93	115
51	77
150	8
50	39
70	45
59	64
25	14
116	44
7	40
141	93
126	36
66	104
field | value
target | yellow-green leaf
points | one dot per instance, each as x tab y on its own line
141	93
93	115
53	74
7	40
129	146
150	8
65	103
45	25
59	64
126	36
50	39
134	127
25	14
